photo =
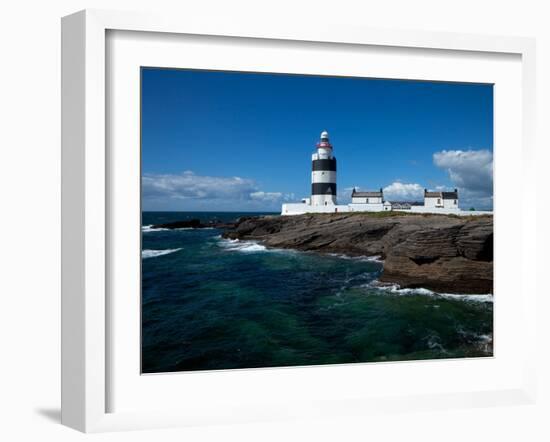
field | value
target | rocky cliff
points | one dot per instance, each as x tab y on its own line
442	253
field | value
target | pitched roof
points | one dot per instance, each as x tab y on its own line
443	195
449	195
367	194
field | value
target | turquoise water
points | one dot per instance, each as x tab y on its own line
211	303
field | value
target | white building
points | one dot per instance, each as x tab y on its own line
367	197
370	201
441	200
323	193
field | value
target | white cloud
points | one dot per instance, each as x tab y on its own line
196	192
266	196
470	170
189	185
398	191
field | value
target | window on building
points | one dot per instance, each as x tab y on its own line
439	201
456	202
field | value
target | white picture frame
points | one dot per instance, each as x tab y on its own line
85	211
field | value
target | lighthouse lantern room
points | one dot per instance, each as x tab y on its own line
323	174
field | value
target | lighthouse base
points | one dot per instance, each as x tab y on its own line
323	200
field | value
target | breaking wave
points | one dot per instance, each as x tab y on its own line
241	246
362	258
149	228
155	253
397	290
249	246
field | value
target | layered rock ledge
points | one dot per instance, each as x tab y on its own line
447	254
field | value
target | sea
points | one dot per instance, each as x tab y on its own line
210	303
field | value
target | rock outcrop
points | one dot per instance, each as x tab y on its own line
442	253
193	224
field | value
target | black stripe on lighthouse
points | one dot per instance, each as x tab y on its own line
329	164
323	188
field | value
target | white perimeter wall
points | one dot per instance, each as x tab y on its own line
299	209
366	207
444	211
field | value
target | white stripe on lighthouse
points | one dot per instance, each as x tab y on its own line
323	176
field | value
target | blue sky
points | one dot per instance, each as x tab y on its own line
243	141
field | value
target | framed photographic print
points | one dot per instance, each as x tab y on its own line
236	274
252	212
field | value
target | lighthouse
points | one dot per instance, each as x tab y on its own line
323	174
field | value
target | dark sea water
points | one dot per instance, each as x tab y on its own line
211	303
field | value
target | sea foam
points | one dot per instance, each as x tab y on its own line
155	253
149	228
241	246
362	258
397	290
